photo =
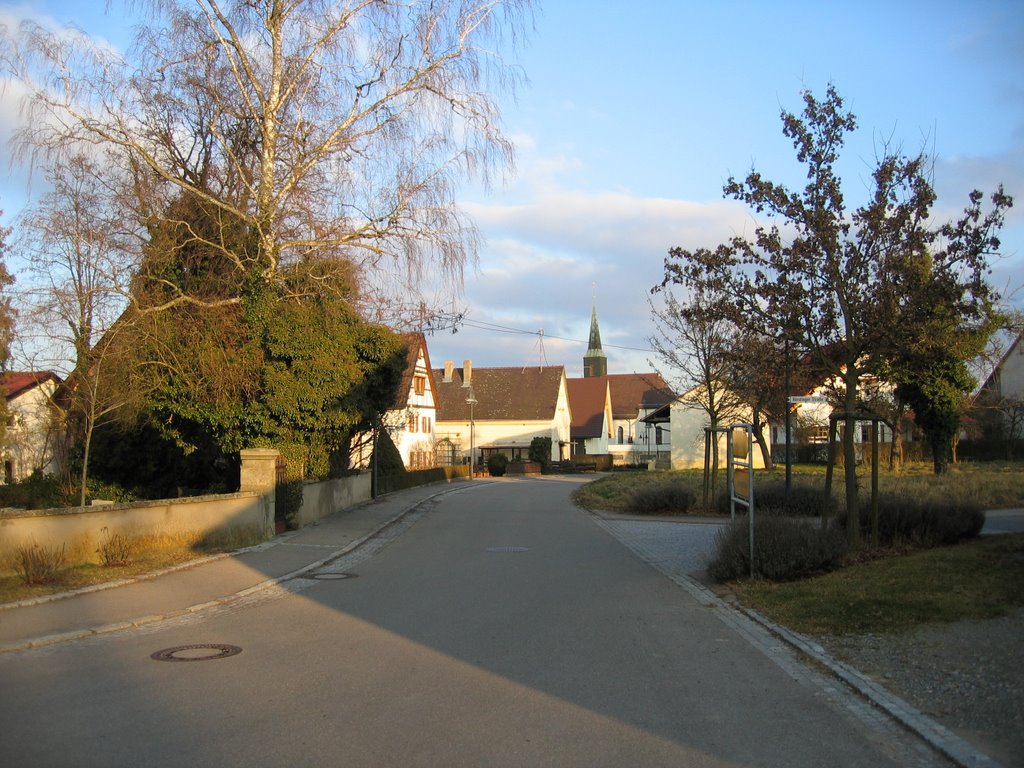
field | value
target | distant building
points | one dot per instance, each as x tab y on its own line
630	398
501	410
32	438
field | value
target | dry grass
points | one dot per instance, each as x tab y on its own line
142	555
994	485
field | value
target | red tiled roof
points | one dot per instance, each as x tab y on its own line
502	394
632	391
587	400
15	383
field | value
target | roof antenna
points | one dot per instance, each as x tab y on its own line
542	357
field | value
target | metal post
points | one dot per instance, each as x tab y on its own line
789	424
471	399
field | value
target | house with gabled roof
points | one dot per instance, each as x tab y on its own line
1002	393
483	411
410	422
32	437
591	405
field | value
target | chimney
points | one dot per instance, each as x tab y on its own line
467	372
449	368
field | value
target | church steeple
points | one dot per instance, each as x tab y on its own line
594	361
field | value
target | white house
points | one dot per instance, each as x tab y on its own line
1003	391
410	423
687	420
501	410
635	396
31	439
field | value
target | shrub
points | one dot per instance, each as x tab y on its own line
784	549
659	498
37	491
40	565
540	452
771	499
116	551
288	502
496	464
920	522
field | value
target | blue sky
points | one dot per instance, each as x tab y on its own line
635	114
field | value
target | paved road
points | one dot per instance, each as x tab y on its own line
500	627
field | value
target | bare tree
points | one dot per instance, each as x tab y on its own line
80	260
831	278
694	350
333	131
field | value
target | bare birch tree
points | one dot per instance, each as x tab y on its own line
334	131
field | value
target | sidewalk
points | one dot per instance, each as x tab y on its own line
203	583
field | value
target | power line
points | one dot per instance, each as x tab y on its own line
485	326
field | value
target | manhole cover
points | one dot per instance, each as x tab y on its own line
508	549
333	576
199	652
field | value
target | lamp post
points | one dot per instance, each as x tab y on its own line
471	399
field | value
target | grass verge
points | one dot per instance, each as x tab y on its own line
980	579
994	485
13	588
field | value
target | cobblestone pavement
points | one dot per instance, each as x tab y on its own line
680	550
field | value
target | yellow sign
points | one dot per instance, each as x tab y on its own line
739	444
742	482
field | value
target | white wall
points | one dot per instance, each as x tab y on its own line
30	440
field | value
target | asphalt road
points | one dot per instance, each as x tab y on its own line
503	628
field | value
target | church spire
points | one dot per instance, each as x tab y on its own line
594	361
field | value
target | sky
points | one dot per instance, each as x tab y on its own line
633	115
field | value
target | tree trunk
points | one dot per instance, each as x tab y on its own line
762	444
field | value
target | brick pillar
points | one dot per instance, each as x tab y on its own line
259	474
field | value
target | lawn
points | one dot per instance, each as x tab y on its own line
979	579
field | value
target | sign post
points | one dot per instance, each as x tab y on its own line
741	462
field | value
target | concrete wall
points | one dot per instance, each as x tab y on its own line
234	517
325	497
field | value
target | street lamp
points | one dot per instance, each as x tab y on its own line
471	399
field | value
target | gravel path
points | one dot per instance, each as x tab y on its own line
968	676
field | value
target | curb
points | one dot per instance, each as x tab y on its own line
937	736
79	634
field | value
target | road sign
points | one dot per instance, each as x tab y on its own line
808	399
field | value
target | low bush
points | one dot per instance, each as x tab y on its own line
40	565
496	464
784	549
661	498
38	491
771	498
115	551
904	520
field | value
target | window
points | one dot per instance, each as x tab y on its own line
419	384
621	435
413	421
658	436
425	424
